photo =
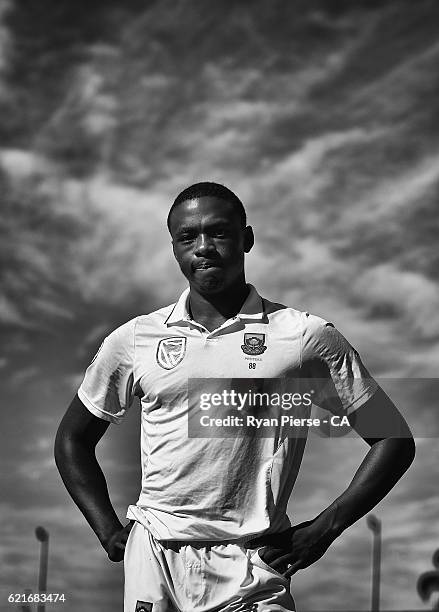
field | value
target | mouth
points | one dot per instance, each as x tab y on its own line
206	265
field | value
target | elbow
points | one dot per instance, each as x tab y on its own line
409	450
400	452
70	447
60	447
63	448
405	452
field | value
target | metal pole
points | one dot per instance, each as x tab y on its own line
374	525
42	536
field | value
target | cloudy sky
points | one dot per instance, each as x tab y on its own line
322	116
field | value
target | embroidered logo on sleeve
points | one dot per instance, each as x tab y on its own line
254	344
170	351
143	606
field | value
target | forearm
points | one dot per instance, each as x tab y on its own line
87	486
383	466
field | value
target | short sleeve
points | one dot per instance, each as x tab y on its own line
343	382
108	386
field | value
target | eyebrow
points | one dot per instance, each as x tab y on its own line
211	224
184	230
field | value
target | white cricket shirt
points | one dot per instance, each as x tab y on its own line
215	488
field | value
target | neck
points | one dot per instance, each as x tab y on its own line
212	310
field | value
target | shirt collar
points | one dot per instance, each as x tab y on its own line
253	308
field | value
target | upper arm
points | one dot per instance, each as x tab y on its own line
79	424
378	418
343	382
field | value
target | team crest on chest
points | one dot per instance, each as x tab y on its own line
170	351
254	344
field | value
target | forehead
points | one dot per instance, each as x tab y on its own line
204	209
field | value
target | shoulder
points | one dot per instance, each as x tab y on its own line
309	324
315	332
280	313
321	339
314	325
123	334
123	337
156	317
117	345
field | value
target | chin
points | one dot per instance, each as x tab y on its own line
210	285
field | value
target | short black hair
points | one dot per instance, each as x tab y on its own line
198	190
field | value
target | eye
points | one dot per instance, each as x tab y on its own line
220	233
185	238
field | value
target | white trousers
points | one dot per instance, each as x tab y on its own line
199	577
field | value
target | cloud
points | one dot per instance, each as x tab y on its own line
19	163
392	195
396	91
411	295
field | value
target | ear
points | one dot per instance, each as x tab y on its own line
249	239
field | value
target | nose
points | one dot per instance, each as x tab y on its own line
204	245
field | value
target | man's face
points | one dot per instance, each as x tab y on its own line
209	243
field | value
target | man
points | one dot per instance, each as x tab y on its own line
210	529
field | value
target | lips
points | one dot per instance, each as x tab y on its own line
206	265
